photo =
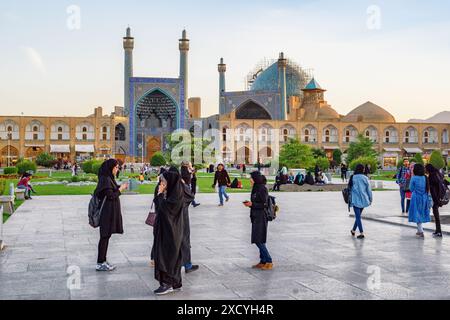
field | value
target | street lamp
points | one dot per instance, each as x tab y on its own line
9	149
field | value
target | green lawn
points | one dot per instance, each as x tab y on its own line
17	204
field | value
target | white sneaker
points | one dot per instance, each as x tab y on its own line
105	266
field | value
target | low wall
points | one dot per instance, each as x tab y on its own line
307	187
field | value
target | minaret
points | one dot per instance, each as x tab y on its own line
128	46
184	50
282	63
222	67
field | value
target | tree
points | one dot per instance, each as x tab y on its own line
25	166
337	156
45	160
296	155
363	147
365	160
158	160
323	163
319	153
418	158
437	160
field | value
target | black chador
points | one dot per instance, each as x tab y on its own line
169	232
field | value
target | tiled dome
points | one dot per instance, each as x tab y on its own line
268	80
369	112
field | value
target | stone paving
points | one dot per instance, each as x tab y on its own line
315	256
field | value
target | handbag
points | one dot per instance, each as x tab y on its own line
151	217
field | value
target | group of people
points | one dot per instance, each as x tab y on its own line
422	188
171	250
300	179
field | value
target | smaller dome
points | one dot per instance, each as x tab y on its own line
327	113
369	112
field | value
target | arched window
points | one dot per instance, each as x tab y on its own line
60	129
430	135
309	134
350	134
84	129
445	136
224	134
120	132
410	135
10	129
371	133
390	135
287	132
330	134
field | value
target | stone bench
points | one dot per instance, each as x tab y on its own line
308	188
20	194
8	204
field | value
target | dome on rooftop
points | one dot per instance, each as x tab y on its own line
369	112
268	80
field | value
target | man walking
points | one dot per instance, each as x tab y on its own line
401	177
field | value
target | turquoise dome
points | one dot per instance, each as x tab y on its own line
268	80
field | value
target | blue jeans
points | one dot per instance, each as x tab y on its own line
188	266
223	193
358	222
264	253
402	198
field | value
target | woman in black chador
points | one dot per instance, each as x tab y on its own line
111	215
259	220
168	233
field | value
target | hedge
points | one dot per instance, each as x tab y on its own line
437	160
10	170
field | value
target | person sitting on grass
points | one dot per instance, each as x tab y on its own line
24	184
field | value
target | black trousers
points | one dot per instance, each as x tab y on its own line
103	249
437	219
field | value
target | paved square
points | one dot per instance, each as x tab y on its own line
315	257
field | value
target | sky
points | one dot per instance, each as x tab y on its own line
64	58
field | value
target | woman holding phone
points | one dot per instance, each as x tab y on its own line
111	217
258	217
168	233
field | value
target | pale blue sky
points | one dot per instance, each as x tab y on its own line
47	69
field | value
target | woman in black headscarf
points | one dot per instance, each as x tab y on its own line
258	218
168	233
437	190
111	215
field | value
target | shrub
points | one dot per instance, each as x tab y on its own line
337	156
365	160
86	166
158	160
45	160
437	160
26	166
10	171
96	167
75	179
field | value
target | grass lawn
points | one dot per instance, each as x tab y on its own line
17	204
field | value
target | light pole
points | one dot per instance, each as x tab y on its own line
9	149
143	144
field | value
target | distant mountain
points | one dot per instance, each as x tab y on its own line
441	117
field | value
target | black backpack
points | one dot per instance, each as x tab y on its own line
271	208
444	192
95	210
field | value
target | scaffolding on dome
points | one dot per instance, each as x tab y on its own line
307	73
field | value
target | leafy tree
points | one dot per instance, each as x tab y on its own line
365	160
337	156
296	155
437	160
418	158
363	147
45	160
158	160
196	145
319	153
323	163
